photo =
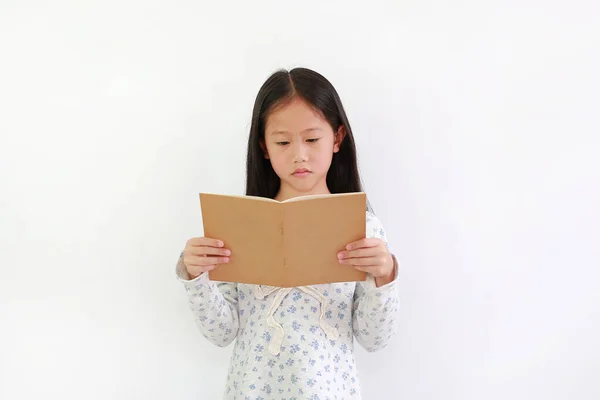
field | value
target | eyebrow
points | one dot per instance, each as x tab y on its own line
304	131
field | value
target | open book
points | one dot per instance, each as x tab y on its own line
285	244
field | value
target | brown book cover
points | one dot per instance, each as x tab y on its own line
285	244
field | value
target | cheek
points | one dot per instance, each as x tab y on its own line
323	158
278	162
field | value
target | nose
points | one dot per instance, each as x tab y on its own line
299	152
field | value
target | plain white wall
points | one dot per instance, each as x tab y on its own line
478	132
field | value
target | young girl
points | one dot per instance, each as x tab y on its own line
296	343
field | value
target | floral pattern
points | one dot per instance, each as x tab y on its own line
294	343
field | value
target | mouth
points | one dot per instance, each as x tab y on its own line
301	172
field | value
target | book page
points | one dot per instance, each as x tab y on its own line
318	196
252	230
315	230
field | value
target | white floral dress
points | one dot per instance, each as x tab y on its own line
294	343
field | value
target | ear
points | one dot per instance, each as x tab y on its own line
263	146
338	138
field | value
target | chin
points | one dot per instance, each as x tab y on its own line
308	189
302	188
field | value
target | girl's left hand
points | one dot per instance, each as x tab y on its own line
370	255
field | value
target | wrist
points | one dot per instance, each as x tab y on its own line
389	277
191	276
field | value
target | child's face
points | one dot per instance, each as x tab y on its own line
300	145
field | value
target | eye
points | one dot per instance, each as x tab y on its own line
282	143
313	140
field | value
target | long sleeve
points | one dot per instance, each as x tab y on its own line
375	309
214	305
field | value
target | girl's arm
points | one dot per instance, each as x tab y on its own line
215	305
375	309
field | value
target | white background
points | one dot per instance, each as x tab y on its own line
477	124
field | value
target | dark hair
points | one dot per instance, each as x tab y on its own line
318	92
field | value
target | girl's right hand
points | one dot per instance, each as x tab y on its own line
204	254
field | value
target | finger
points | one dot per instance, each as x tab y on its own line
204	261
367	242
207	250
364	261
376	271
204	241
362	252
371	269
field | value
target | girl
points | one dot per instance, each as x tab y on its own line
296	343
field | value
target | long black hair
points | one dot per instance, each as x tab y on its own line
318	92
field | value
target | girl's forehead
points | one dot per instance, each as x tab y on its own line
294	116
